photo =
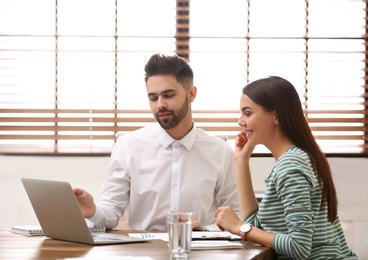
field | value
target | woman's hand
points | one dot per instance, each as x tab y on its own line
227	220
243	148
241	139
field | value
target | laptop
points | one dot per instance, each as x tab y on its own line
60	217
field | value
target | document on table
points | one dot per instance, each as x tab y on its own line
207	240
211	245
162	236
111	258
196	235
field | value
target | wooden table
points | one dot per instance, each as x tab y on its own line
14	246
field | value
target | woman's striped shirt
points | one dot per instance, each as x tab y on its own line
291	208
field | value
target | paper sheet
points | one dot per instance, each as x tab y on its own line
162	236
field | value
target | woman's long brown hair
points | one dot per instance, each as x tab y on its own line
279	95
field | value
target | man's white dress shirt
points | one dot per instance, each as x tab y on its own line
151	174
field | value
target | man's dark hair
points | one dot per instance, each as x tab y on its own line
160	64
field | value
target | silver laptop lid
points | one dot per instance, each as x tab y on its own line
60	217
57	210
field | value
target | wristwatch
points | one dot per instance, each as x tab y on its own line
244	229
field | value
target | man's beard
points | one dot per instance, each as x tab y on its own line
176	116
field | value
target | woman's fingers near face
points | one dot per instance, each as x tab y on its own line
242	139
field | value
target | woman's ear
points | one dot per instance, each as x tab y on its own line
275	118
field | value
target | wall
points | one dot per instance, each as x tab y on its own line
350	175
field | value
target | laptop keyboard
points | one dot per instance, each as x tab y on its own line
106	237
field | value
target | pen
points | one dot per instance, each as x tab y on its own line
216	238
228	238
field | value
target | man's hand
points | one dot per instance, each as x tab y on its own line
85	201
196	226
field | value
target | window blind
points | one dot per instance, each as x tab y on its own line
71	72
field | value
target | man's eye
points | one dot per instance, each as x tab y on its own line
153	98
169	96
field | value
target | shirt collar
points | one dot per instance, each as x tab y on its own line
166	140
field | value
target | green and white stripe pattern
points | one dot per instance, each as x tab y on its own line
291	208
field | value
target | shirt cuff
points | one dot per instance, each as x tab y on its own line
99	218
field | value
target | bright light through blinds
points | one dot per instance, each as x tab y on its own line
71	72
337	74
322	56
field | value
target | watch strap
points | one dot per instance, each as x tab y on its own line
242	236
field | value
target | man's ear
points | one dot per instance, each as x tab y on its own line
192	93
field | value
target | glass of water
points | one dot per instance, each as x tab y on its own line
180	234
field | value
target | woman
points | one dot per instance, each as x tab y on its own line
298	215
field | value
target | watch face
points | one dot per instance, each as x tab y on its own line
245	227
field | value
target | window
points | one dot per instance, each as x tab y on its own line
71	72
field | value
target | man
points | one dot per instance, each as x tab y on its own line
169	166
